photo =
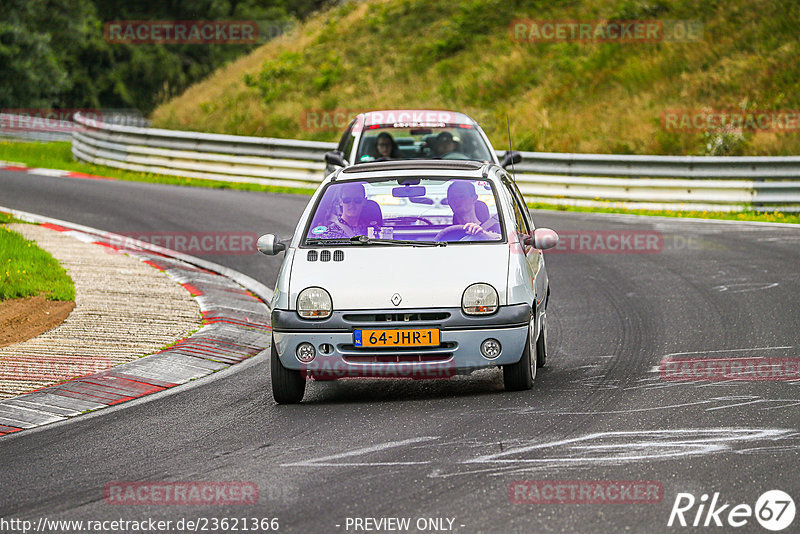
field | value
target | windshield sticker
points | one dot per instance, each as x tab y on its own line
419	125
319	230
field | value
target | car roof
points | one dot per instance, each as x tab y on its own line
435	167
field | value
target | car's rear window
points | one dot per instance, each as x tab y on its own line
413	209
445	141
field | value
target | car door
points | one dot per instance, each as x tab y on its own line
530	258
542	282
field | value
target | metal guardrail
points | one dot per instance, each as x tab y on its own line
23	128
44	126
635	182
200	155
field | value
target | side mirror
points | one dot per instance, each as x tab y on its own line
335	157
512	156
268	244
542	239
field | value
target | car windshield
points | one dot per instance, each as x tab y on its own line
445	141
407	210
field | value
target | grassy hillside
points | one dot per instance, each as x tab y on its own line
562	96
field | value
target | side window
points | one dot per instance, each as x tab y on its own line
521	222
346	142
525	211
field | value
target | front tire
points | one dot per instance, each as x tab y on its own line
519	376
288	385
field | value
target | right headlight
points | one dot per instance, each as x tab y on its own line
314	303
479	299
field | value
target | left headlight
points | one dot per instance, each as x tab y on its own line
479	299
314	303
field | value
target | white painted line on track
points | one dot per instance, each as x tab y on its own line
640	445
324	461
728	350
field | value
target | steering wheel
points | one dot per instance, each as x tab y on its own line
455	232
455	155
458	229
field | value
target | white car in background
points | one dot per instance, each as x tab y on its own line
416	133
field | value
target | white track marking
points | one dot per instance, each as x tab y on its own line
744	287
727	350
636	445
325	460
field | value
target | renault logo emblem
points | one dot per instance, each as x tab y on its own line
396	299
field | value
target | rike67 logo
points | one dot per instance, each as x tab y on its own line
774	510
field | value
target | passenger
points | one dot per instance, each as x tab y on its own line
461	198
386	147
351	199
446	144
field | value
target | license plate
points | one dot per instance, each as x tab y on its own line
413	337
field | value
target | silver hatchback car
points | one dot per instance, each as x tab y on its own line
410	269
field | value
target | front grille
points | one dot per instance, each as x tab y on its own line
348	347
399	358
312	255
395	317
338	255
325	255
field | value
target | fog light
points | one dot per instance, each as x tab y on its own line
305	352
490	349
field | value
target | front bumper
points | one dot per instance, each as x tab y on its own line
457	353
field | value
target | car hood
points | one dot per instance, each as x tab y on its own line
424	277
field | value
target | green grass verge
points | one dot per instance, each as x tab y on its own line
26	270
58	155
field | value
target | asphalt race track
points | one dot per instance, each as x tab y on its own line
600	411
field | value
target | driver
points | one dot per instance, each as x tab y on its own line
461	198
446	144
351	199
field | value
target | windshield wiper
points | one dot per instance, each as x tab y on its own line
364	240
336	241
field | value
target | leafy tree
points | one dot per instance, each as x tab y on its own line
53	53
32	75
